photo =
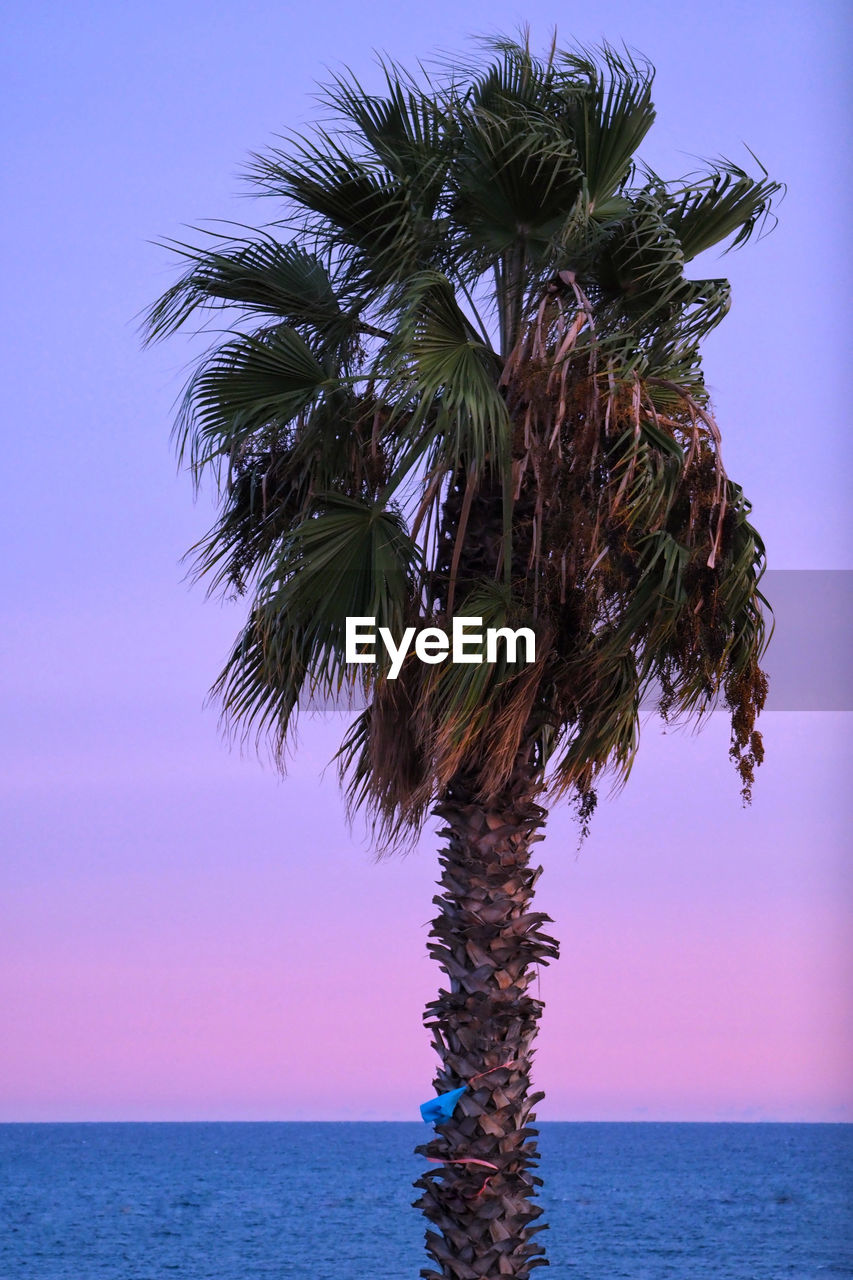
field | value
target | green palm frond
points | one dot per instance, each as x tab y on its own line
257	276
518	173
345	559
357	208
450	368
642	261
610	111
262	683
708	208
405	129
249	385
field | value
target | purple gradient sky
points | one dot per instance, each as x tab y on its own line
187	937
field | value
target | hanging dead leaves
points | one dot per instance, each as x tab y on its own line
624	545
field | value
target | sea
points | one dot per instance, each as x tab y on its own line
332	1201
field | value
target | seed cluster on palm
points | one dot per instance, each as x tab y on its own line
464	380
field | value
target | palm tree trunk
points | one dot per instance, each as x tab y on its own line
488	942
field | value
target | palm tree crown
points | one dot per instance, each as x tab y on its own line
469	380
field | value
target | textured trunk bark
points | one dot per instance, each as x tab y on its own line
488	942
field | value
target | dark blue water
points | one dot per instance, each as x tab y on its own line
332	1201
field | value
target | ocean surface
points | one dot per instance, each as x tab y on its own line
332	1201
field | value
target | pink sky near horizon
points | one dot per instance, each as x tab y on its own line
703	973
183	935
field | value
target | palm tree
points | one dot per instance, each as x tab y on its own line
463	380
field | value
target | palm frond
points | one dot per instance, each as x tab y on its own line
358	208
519	174
609	108
708	208
255	276
250	384
406	129
346	559
448	368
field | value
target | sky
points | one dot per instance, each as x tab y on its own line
184	934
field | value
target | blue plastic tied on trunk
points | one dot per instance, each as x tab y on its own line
441	1108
